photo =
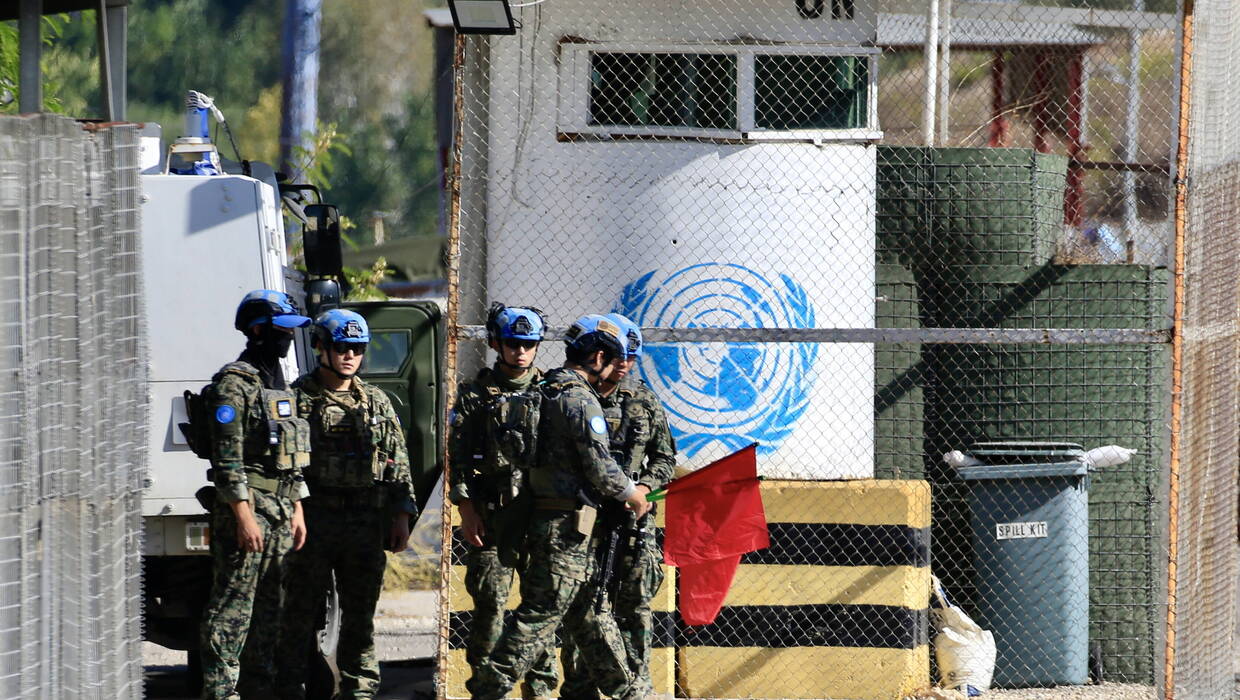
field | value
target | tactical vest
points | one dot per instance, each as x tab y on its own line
346	442
507	428
276	438
512	431
628	432
288	435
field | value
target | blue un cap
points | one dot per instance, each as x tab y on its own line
631	332
596	332
516	322
342	326
263	305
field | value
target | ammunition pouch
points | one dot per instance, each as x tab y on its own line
206	498
512	431
288	439
508	528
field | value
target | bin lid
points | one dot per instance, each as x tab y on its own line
1022	471
1024	460
1015	452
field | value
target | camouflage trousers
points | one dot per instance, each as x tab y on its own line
243	612
488	582
640	580
348	543
555	592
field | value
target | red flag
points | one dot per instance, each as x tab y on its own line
714	515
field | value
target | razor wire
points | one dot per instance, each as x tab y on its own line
74	430
866	235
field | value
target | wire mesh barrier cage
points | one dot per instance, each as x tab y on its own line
929	257
74	426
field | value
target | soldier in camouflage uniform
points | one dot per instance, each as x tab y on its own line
360	502
483	478
258	448
573	458
641	443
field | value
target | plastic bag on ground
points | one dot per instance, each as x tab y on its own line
965	652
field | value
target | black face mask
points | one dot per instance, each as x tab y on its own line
265	351
276	342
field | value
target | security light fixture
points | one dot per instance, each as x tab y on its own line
482	16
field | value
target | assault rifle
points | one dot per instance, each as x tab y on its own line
615	524
623	540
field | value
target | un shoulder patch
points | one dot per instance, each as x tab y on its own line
598	425
225	414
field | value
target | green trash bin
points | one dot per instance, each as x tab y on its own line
1029	514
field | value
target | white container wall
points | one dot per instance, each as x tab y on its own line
684	232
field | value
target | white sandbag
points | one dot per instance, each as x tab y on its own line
965	652
956	458
1109	456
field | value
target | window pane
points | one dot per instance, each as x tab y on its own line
386	353
810	92
663	89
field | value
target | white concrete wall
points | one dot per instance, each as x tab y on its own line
682	233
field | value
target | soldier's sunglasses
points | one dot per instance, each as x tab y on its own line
517	343
355	348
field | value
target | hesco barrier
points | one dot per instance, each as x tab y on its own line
988	392
73	427
899	378
837	606
992	392
968	206
976	254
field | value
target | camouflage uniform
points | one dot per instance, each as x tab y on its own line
359	480
641	442
244	608
480	474
573	457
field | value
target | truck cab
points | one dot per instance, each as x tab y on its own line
206	240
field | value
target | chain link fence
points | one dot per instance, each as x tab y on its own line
1203	583
73	430
866	235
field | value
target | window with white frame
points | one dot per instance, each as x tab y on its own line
797	93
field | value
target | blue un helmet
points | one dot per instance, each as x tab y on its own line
340	326
632	334
265	305
594	332
516	322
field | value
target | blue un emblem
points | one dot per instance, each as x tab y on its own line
729	393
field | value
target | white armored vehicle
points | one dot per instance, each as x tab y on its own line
209	235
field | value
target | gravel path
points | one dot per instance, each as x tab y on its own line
404	629
1106	691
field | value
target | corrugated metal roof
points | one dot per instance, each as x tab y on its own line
910	30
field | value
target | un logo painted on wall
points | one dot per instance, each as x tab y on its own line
731	393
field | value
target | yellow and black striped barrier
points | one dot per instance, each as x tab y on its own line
836	607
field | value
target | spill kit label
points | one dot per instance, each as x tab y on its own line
1019	531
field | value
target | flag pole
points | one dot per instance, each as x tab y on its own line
661	494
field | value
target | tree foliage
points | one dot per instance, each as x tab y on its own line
10	64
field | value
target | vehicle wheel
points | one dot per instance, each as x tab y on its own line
322	674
